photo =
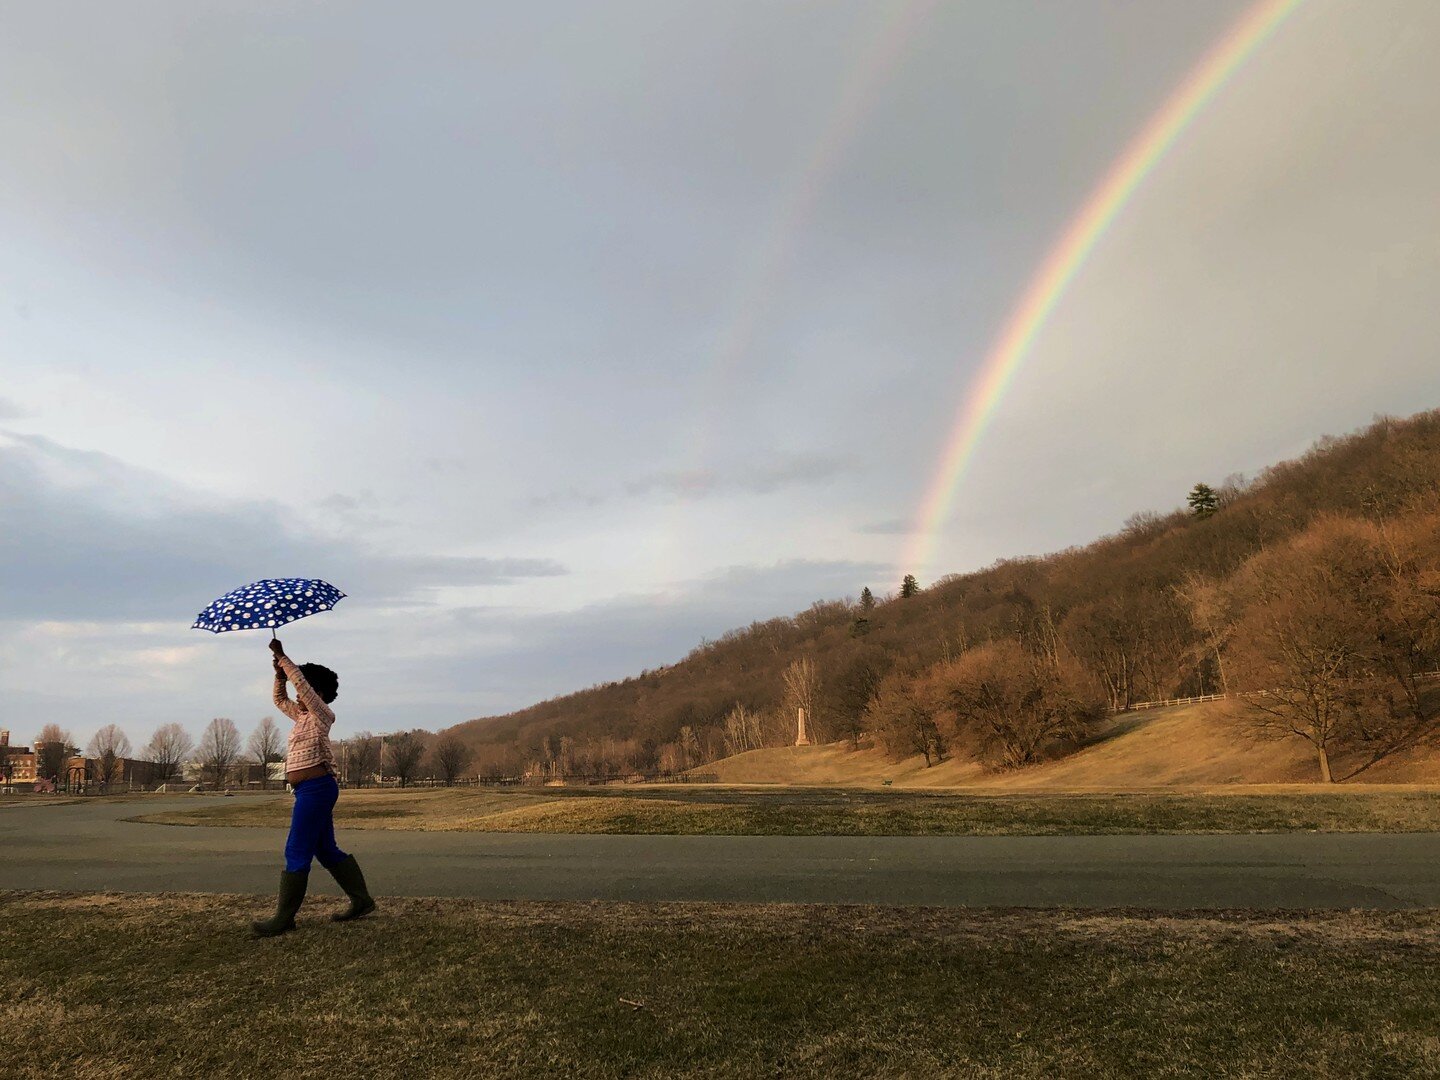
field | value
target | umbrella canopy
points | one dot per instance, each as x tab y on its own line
267	604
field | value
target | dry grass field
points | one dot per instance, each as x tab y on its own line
27	799
1186	746
141	986
708	810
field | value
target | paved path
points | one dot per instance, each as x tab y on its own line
90	847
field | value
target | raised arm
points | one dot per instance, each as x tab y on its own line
313	702
282	699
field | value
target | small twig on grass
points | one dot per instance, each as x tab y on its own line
632	1004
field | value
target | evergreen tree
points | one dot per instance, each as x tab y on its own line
867	599
1203	500
909	587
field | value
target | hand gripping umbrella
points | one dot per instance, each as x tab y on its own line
266	604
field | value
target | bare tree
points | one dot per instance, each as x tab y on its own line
53	749
902	717
1339	626
1016	701
741	730
801	681
451	758
362	755
266	746
754	723
1404	624
1102	634
550	754
108	747
404	751
220	749
1213	611
689	742
858	681
168	748
777	728
672	758
1231	489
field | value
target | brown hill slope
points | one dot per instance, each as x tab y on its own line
1127	579
1184	747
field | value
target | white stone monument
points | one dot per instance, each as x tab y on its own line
803	738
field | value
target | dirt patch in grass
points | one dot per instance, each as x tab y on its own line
457	809
66	799
35	800
845	812
453	988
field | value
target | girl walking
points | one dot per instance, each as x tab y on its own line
310	771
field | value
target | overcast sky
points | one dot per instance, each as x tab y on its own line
563	335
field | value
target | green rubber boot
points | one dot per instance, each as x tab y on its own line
348	876
292	895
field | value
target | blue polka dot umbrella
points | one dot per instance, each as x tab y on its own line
267	604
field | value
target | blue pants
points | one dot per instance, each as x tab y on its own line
312	829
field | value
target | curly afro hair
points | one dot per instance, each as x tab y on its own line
322	680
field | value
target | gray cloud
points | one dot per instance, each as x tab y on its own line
87	537
434	570
755	478
571	497
10	410
344	504
401	664
889	527
549	653
358	513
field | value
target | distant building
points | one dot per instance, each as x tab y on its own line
252	774
130	774
241	774
20	765
17	763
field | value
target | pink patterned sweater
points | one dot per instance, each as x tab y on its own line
309	741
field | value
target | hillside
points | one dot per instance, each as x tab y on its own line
1112	607
1138	751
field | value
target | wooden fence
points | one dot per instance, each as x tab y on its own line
1139	706
1164	702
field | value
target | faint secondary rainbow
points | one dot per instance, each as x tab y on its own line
1065	259
762	273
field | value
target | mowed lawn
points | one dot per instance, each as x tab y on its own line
840	812
139	986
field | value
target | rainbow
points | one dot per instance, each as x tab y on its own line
766	269
1065	260
887	38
